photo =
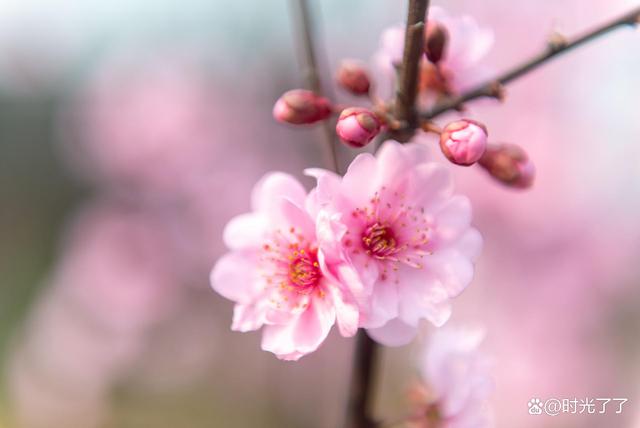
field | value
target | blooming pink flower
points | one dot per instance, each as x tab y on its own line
457	381
407	238
278	276
466	44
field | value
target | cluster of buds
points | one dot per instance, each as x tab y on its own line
356	126
463	142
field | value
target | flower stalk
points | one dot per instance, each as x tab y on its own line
408	71
301	17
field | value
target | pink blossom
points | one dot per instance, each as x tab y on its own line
457	380
118	267
467	43
278	276
301	107
464	141
357	126
149	120
407	238
353	77
509	164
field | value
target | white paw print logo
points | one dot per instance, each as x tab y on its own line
535	406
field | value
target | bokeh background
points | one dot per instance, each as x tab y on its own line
131	131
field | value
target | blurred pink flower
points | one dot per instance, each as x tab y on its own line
407	237
278	276
457	381
118	267
466	44
144	120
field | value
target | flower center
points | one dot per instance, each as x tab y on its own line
380	241
304	270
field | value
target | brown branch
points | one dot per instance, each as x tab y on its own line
361	387
408	73
557	46
404	111
304	29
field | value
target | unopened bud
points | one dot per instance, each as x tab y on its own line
509	164
357	126
464	141
435	42
353	76
301	107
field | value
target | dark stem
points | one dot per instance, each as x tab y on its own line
361	388
407	88
493	88
304	31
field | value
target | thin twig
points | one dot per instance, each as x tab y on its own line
361	387
493	88
304	29
408	73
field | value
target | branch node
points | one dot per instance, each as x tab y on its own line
428	126
557	42
497	91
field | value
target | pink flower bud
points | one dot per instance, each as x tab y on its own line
509	164
435	41
464	141
301	107
358	126
353	76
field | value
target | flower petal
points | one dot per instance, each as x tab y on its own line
431	186
422	296
470	244
233	276
453	219
357	182
245	230
303	335
393	333
384	304
294	216
347	314
272	187
247	318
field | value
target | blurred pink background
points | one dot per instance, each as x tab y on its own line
130	132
